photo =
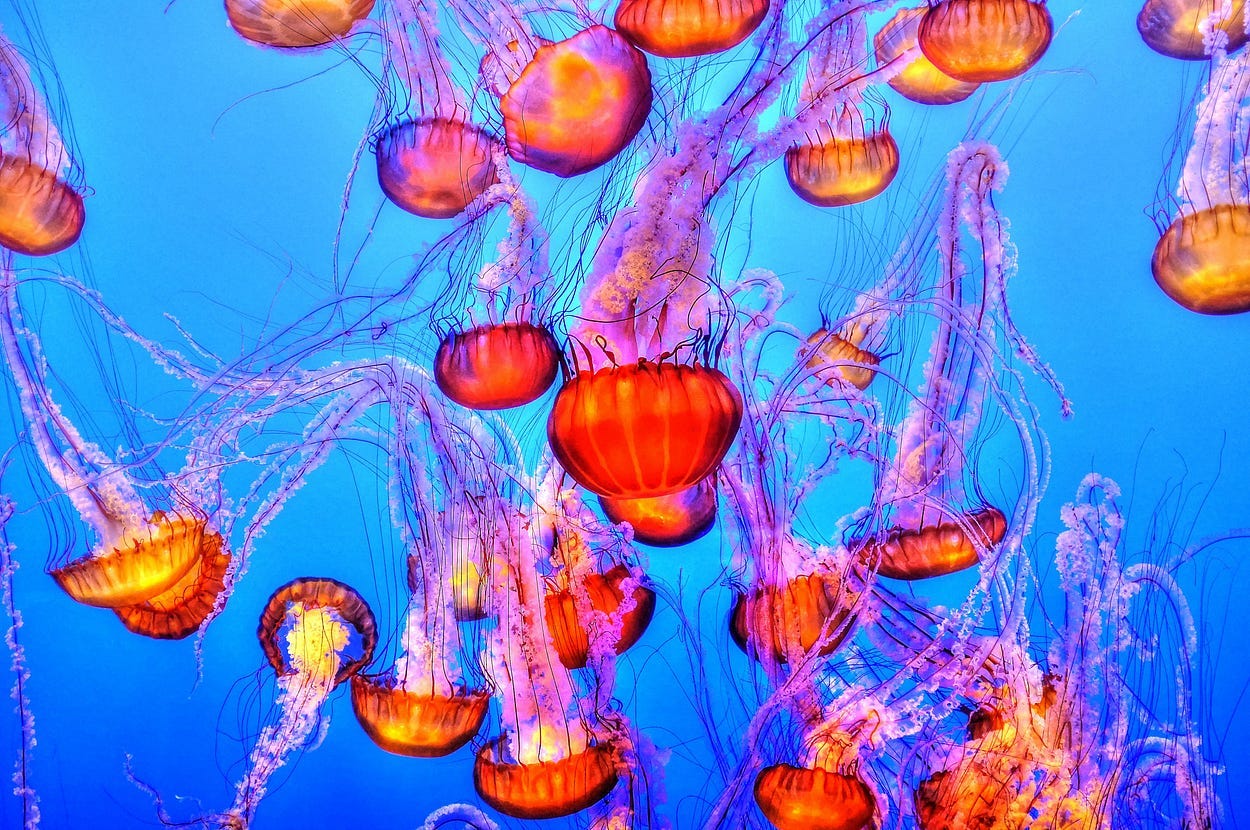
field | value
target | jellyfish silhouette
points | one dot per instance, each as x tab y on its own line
294	24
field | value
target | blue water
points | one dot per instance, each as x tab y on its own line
217	171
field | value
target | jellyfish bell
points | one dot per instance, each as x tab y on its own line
568	630
980	41
418	723
839	360
434	167
315	594
644	430
544	789
577	103
40	213
688	28
667	521
497	366
919	80
801	798
936	548
776	622
833	170
294	24
1202	261
1179	28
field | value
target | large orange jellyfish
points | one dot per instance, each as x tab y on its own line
296	23
497	366
1186	29
577	103
985	40
316	633
1202	260
41	212
918	79
432	160
686	28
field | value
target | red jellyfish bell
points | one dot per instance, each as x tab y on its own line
577	103
497	366
645	430
667	521
40	214
919	80
686	28
433	167
1203	260
544	789
1173	27
416	723
312	593
985	40
296	23
834	171
937	549
568	632
797	798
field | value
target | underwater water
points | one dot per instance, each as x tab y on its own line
252	297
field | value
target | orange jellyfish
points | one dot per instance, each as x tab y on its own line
1184	28
577	103
687	28
775	622
160	572
431	160
919	80
497	366
938	545
316	633
295	24
985	40
605	594
1202	260
847	158
41	213
667	521
644	430
800	798
838	358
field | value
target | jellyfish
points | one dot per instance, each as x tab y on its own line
985	40
688	28
667	521
294	24
497	366
849	159
1188	29
1200	260
160	571
41	209
432	161
316	633
917	79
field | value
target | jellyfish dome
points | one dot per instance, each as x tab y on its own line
434	167
687	28
294	24
985	40
1184	28
834	171
40	213
919	80
497	366
1202	261
667	521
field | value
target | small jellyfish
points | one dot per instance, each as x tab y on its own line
604	592
688	28
667	521
1186	29
294	24
644	430
577	103
839	358
776	621
497	366
41	212
316	633
919	80
985	40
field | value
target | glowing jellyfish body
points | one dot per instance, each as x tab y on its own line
183	607
497	366
296	23
434	167
985	40
604	591
307	630
1202	261
1176	27
776	623
937	548
835	171
799	798
919	80
644	430
838	360
544	789
577	103
667	521
687	28
416	723
40	213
